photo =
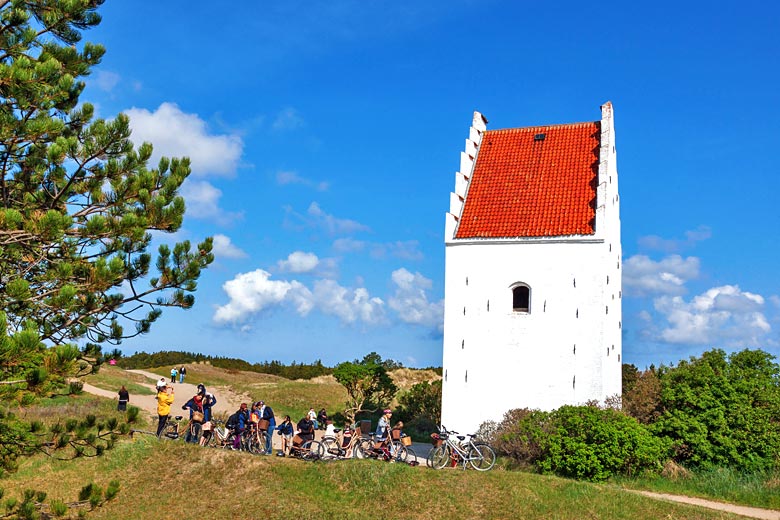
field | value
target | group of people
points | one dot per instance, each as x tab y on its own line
181	372
199	406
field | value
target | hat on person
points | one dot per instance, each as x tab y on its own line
387	411
261	403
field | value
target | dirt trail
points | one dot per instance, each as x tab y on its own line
750	512
227	400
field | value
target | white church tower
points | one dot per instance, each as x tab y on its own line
533	294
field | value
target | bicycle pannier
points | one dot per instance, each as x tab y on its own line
263	424
406	441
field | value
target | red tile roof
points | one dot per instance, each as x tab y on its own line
523	186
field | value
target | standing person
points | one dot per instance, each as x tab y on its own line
267	413
208	429
124	397
196	407
174	372
242	420
286	431
383	428
182	374
313	417
164	401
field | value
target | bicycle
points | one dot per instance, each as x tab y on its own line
386	449
306	450
170	430
478	455
334	448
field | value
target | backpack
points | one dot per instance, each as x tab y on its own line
232	421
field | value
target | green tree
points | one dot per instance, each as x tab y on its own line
421	401
721	410
77	204
77	199
368	386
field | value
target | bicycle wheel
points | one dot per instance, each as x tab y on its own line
311	450
170	432
411	456
481	457
440	457
398	451
253	444
330	448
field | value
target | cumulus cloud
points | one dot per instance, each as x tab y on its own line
644	277
299	262
287	177
202	199
411	303
225	248
656	243
723	316
252	293
175	133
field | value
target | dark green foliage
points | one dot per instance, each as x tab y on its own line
589	443
582	442
722	410
368	385
420	409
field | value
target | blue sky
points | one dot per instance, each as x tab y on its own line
324	138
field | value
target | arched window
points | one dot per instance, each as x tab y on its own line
521	297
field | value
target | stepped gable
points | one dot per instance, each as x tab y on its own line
533	182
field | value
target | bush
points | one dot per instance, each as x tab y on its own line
582	442
722	411
592	444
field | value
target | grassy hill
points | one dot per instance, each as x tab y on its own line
172	479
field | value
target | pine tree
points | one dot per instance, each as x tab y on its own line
77	199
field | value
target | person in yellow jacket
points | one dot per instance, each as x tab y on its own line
164	402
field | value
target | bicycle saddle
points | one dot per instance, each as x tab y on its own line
178	417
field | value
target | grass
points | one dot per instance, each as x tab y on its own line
168	476
759	489
112	378
161	476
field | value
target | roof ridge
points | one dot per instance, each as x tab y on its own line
527	128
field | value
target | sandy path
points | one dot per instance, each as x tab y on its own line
750	512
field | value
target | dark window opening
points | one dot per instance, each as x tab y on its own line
521	298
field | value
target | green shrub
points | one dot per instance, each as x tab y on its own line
589	443
722	411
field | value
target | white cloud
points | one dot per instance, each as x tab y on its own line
251	293
656	243
411	303
287	177
349	305
202	200
225	248
288	119
175	133
106	80
721	316
299	262
643	276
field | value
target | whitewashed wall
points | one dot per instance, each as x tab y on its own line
567	349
